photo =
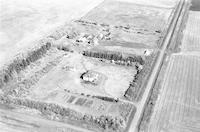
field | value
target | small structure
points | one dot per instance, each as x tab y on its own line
147	52
91	77
138	66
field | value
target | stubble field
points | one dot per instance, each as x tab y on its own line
177	108
191	34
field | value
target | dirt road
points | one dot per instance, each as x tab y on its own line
151	81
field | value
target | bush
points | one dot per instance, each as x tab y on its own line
136	88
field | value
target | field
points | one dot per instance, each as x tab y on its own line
22	22
177	108
195	5
22	119
89	73
139	13
191	34
154	3
145	31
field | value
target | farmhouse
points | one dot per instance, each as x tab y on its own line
91	77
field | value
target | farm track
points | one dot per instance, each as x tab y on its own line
141	105
178	107
175	43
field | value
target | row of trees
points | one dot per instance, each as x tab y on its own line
105	122
20	63
109	99
135	90
50	109
22	87
114	56
85	22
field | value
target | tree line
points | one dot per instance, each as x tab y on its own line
114	56
135	90
20	63
50	110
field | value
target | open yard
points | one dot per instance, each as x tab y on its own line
114	79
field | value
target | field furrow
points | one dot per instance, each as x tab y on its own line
178	108
191	40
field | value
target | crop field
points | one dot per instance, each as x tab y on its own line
177	108
154	3
149	22
191	34
139	14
